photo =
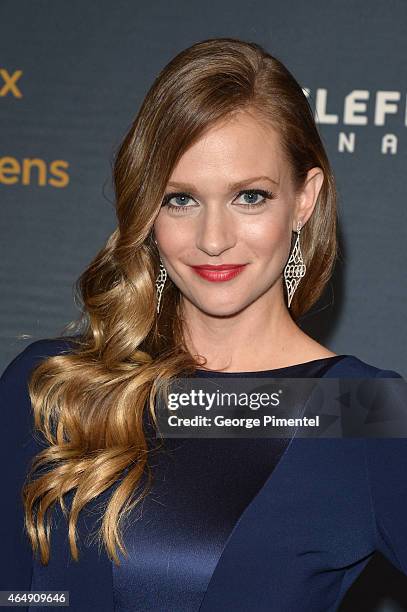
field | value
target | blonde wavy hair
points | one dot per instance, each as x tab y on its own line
89	403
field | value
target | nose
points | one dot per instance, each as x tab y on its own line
215	232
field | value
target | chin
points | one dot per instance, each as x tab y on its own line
218	310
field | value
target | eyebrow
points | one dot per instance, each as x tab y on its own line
231	186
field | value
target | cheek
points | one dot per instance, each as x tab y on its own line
268	237
168	236
175	241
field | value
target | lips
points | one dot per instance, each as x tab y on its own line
219	266
219	273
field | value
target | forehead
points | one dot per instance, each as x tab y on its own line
233	149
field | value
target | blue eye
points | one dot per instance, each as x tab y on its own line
265	195
182	198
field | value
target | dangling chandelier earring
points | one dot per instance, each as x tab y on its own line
295	268
160	282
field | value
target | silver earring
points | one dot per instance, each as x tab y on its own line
159	283
295	268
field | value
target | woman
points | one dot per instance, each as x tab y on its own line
226	236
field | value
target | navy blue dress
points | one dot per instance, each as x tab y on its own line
230	524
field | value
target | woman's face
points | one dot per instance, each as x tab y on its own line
211	220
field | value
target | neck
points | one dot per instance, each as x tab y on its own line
261	336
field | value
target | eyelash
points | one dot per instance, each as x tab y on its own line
267	195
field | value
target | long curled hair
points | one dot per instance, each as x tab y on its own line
89	403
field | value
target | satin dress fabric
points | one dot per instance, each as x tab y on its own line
201	488
229	524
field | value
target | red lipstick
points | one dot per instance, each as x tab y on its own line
219	273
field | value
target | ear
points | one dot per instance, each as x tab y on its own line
307	197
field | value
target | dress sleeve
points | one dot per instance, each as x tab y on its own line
17	448
386	460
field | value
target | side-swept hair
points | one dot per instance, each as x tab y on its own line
89	403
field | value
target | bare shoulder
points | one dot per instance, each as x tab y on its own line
325	352
310	349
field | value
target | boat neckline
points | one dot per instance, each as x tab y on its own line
290	367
